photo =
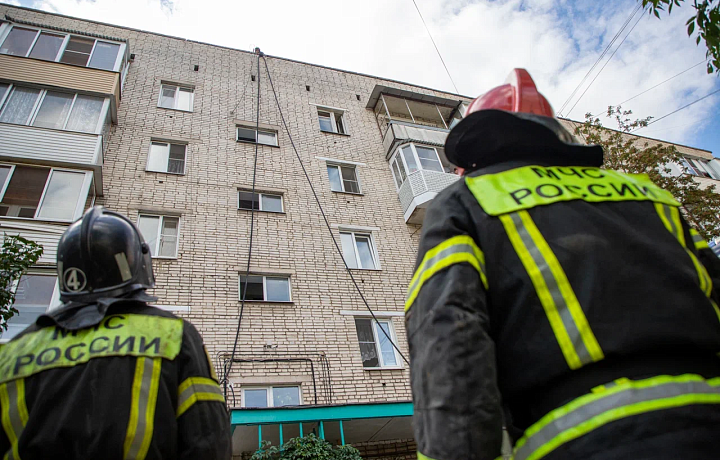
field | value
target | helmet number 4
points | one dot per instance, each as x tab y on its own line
74	279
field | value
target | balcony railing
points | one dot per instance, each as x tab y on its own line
419	189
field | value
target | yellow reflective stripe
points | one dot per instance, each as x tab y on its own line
698	240
116	335
530	186
567	320
14	414
423	457
455	250
626	398
194	389
670	217
142	408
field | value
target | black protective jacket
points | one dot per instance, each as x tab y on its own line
549	296
133	382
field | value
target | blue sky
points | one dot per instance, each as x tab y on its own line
558	41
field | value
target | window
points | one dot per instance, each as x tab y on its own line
375	348
167	158
266	288
259	136
698	167
271	396
35	293
411	158
176	97
343	178
42	193
260	201
76	50
358	250
161	234
331	121
51	109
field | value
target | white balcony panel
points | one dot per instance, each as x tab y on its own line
49	146
419	189
46	235
400	132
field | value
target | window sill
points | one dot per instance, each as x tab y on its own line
348	193
337	134
270	302
366	269
164	258
260	210
165	172
389	368
239	141
38	220
175	110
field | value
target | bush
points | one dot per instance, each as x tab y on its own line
308	447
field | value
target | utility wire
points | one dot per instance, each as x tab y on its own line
436	48
327	223
653	87
602	55
677	110
604	65
228	366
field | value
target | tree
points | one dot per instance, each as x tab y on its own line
309	447
707	20
628	153
16	256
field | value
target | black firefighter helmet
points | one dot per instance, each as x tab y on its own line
102	255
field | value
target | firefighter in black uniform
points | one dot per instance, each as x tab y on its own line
106	376
572	304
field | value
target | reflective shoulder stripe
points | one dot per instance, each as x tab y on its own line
698	240
625	399
142	408
194	389
566	317
14	414
530	186
670	217
423	457
455	250
117	335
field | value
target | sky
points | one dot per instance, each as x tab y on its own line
481	41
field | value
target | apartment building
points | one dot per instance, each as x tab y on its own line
164	130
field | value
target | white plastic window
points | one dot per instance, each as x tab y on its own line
343	178
331	121
161	233
260	201
35	293
166	157
358	250
375	348
260	136
265	288
176	97
275	396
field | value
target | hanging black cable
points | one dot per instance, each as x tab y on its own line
228	366
327	223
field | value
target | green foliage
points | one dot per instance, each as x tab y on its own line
16	256
707	20
309	447
628	153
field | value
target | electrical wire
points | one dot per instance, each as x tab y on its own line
604	65
436	48
228	366
322	211
602	55
677	110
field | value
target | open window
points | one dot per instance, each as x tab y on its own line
176	97
331	120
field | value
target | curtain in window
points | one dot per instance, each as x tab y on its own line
85	114
20	105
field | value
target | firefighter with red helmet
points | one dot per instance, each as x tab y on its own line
571	304
106	376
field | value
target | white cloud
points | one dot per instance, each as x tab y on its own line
481	41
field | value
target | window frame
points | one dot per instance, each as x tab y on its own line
264	278
269	394
340	165
260	195
54	298
257	131
175	99
79	206
373	248
393	338
398	153
168	144
39	30
333	122
38	105
159	234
